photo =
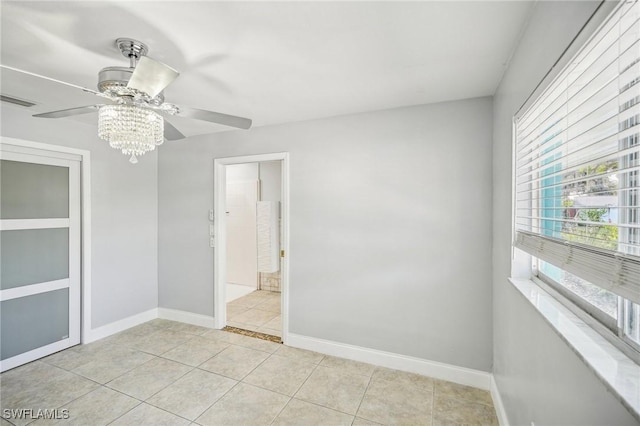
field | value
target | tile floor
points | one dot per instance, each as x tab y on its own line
257	311
169	373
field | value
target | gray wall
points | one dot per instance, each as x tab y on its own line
124	214
390	227
539	377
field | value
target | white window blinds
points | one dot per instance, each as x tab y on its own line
577	162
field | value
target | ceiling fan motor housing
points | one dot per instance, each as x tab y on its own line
114	80
111	77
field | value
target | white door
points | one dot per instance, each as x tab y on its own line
39	254
242	251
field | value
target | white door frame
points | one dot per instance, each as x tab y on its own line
219	252
21	146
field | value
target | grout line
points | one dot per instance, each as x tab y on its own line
364	394
166	411
128	411
433	400
319	405
315	366
220	398
280	412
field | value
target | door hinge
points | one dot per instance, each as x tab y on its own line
281	253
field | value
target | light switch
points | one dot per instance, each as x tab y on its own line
212	242
211	215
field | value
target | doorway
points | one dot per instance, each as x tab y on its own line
251	243
40	219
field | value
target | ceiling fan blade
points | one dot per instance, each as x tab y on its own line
215	117
68	112
75	86
151	76
171	133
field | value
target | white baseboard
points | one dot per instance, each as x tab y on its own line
451	373
120	325
187	317
497	403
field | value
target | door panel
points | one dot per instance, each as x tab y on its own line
39	254
31	256
33	191
33	321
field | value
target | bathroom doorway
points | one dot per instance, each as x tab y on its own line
251	236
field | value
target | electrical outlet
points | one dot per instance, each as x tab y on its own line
212	242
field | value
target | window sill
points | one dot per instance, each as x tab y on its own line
618	372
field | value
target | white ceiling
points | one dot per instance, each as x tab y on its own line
274	62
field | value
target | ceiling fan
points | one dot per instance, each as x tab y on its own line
132	117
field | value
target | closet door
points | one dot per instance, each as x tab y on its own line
39	255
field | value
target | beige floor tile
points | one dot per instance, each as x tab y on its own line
161	341
251	342
150	327
195	351
3	422
70	358
249	301
189	328
271	305
99	407
280	374
161	323
235	310
132	335
267	293
348	366
255	317
235	362
244	405
269	331
303	413
450	411
41	386
192	394
275	323
334	389
113	363
216	335
404	378
364	422
395	402
467	393
149	378
299	354
147	415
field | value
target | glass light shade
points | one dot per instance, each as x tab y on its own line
130	128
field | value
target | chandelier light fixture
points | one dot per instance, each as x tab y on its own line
132	129
133	118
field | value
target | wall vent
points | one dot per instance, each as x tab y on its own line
16	101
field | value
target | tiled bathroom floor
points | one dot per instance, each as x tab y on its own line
169	373
257	311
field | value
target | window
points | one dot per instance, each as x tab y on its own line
577	178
